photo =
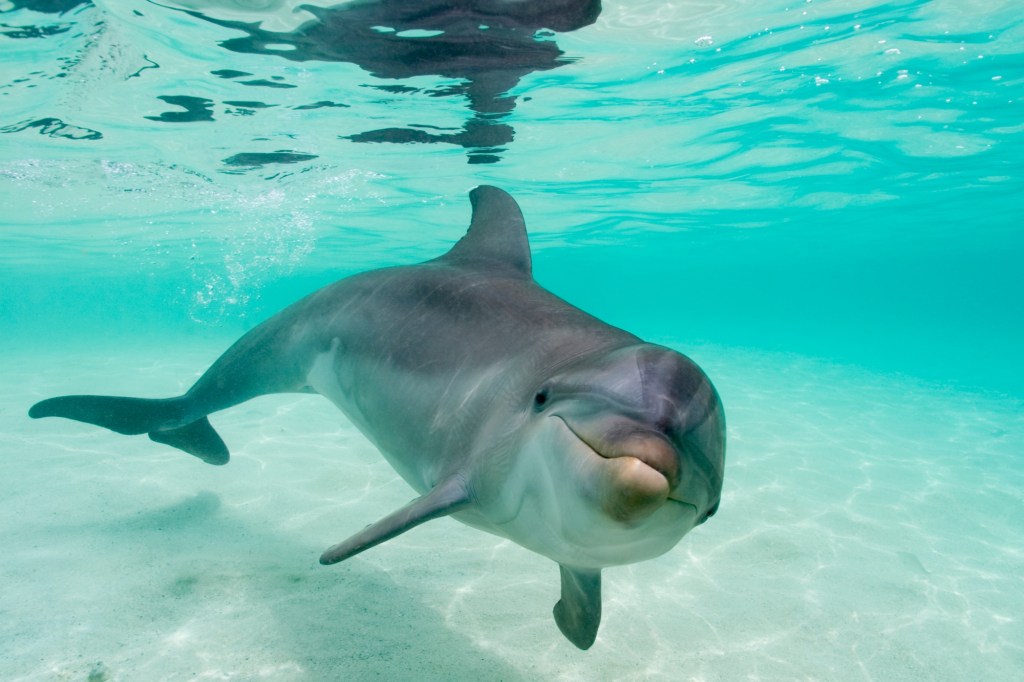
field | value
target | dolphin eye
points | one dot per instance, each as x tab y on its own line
540	399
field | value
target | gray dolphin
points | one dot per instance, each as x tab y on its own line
501	404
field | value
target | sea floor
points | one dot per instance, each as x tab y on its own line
872	528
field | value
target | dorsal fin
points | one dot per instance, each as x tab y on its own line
497	233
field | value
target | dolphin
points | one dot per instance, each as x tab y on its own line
501	404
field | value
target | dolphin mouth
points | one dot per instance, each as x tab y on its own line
679	500
655	458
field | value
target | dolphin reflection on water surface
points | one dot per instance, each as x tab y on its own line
487	45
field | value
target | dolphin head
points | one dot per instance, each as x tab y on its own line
654	419
637	437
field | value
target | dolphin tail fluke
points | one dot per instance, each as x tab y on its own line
578	612
160	418
197	438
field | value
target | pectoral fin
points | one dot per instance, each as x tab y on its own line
446	498
578	612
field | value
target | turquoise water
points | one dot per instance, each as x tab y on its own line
820	202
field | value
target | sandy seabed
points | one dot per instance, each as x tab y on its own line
872	528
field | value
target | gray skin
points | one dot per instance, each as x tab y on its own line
501	404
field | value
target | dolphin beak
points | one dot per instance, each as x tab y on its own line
636	490
637	474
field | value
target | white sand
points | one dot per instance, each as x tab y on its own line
872	529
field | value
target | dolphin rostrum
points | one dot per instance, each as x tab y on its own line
501	404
